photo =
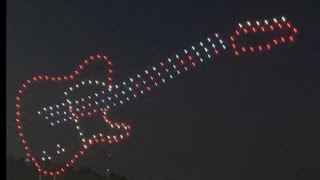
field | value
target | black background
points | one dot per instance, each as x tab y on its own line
252	117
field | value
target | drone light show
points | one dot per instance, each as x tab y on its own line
82	99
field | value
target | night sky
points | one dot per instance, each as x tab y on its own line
251	117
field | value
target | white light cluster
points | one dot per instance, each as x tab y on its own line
46	156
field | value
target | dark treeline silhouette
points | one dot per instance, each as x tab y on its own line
22	169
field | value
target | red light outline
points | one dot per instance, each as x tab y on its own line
69	77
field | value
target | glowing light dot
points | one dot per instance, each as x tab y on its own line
283	19
275	20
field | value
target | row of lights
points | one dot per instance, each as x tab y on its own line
266	22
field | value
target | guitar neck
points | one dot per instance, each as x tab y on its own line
166	70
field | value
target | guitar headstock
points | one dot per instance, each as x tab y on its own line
268	34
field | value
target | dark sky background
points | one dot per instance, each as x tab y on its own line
253	117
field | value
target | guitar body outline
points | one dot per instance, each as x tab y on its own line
116	95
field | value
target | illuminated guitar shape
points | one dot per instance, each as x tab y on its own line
110	96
